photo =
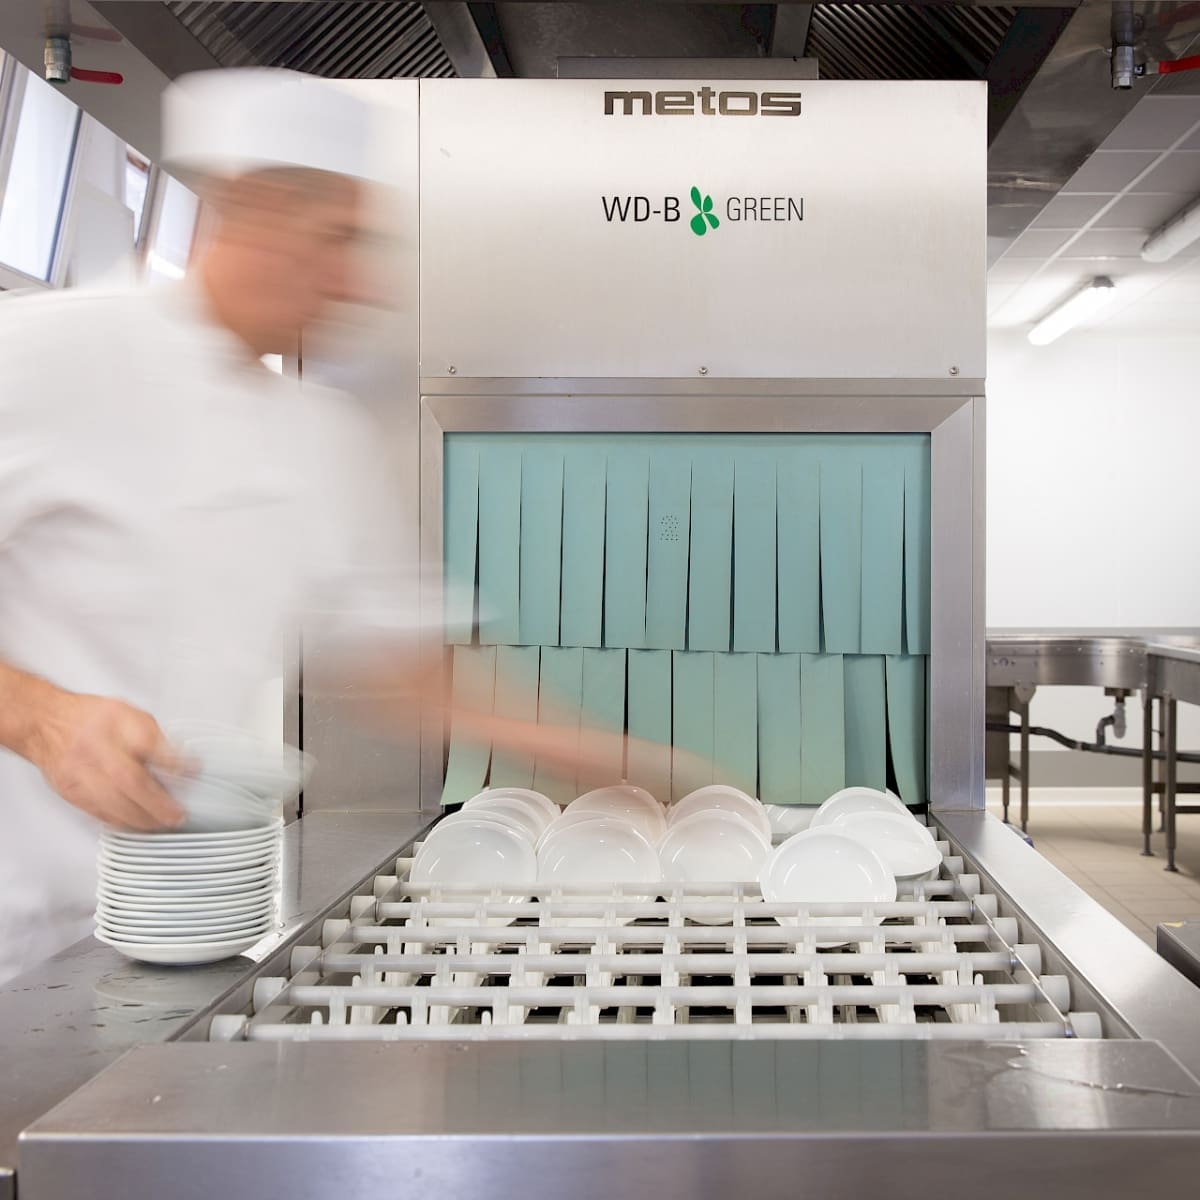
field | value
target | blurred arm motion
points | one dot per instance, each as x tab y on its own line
93	751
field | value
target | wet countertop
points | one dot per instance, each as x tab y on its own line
72	1016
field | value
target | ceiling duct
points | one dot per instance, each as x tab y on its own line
385	39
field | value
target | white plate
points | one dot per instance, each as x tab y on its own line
195	929
190	885
634	804
478	814
856	799
199	932
169	904
189	954
516	793
256	930
476	852
188	864
605	851
713	846
824	866
227	754
580	816
787	819
178	932
197	912
128	839
122	852
722	796
217	807
532	816
168	909
906	846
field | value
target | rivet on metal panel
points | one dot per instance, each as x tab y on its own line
703	370
451	370
953	370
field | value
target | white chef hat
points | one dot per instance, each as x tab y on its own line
226	123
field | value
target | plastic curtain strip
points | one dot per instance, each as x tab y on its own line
760	603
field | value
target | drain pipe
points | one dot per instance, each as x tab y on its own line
1115	722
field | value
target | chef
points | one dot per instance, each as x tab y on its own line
170	509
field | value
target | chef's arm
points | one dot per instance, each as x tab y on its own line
95	752
392	691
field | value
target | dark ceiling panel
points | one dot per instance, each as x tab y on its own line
386	39
893	41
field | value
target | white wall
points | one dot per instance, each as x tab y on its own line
1092	497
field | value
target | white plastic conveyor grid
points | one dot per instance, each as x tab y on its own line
701	961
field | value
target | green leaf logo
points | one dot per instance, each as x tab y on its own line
704	220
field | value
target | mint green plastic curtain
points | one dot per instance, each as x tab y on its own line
755	607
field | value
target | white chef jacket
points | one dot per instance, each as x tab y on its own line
168	510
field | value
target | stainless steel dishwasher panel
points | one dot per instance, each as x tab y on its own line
670	1120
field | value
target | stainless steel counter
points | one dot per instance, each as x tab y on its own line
1162	664
65	1021
1124	658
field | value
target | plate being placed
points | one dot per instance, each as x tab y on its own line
226	754
217	807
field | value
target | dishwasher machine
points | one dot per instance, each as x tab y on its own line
694	424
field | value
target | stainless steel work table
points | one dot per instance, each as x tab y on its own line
65	1021
1163	664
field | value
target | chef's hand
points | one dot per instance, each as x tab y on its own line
96	753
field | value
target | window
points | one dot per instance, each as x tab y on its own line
137	179
174	230
32	208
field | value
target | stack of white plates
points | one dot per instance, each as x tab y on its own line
187	897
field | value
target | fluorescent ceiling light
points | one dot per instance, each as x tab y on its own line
1177	234
1093	295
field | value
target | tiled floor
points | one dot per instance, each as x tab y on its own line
1099	846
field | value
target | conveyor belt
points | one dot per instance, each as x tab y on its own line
435	961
